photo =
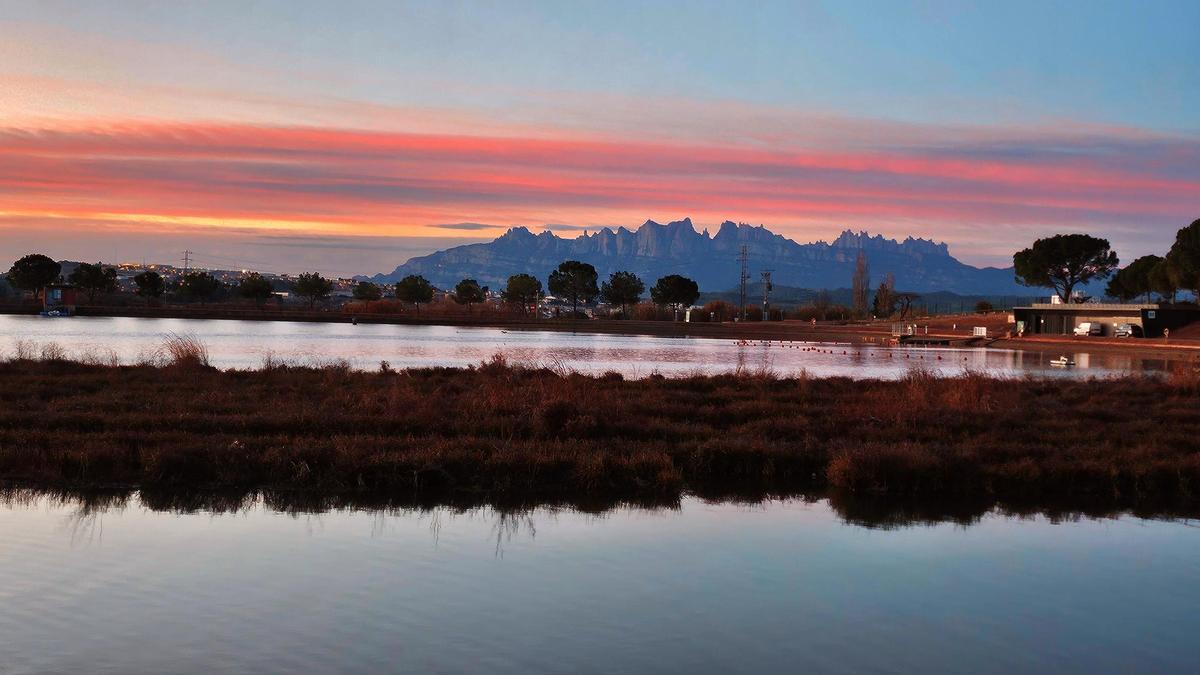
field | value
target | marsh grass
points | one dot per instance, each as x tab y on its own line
185	351
521	431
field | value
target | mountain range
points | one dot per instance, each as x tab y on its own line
655	250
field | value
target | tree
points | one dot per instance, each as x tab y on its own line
367	291
523	290
200	286
676	291
719	310
822	301
94	279
576	281
1064	261
1164	280
905	300
622	288
149	284
860	283
468	292
983	307
255	287
885	304
33	271
1184	258
1133	279
313	287
415	289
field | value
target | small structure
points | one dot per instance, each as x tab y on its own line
59	299
1063	319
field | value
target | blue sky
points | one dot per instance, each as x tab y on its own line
1019	85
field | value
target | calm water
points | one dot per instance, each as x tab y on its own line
245	344
784	586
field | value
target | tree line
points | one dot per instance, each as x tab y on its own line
1065	261
573	281
1061	262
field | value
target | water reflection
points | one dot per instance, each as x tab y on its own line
117	582
246	344
870	511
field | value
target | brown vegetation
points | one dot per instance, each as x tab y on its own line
514	432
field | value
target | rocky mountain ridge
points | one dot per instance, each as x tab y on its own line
654	250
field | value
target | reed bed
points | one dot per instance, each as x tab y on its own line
517	432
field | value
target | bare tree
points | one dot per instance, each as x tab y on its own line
861	283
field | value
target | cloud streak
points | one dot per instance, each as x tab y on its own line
348	182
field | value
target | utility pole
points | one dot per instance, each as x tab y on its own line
766	282
742	258
187	261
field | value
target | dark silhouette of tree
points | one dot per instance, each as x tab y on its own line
415	289
367	291
905	301
1164	281
1064	261
860	283
200	286
523	290
313	287
1184	258
94	279
33	271
468	292
983	307
255	287
1134	279
575	281
623	289
149	285
675	291
885	304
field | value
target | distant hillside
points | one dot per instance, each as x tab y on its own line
655	250
936	301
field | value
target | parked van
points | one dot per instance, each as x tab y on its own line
1089	328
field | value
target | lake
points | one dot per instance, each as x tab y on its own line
781	586
245	344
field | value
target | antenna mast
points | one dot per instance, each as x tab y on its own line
187	261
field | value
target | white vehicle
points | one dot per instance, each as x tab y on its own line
1127	330
1089	328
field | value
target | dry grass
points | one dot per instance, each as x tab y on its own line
185	351
524	432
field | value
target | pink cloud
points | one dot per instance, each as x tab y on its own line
392	183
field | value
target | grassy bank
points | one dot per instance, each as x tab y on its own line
499	432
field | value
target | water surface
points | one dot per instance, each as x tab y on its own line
780	586
246	344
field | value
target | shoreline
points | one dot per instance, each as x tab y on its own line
513	435
875	333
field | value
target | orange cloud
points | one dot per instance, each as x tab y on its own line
326	180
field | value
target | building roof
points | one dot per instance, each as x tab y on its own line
1091	306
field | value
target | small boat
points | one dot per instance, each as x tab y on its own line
55	313
1062	362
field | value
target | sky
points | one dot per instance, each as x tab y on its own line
346	137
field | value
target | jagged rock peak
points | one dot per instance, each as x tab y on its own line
517	232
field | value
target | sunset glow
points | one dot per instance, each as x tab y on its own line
180	136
